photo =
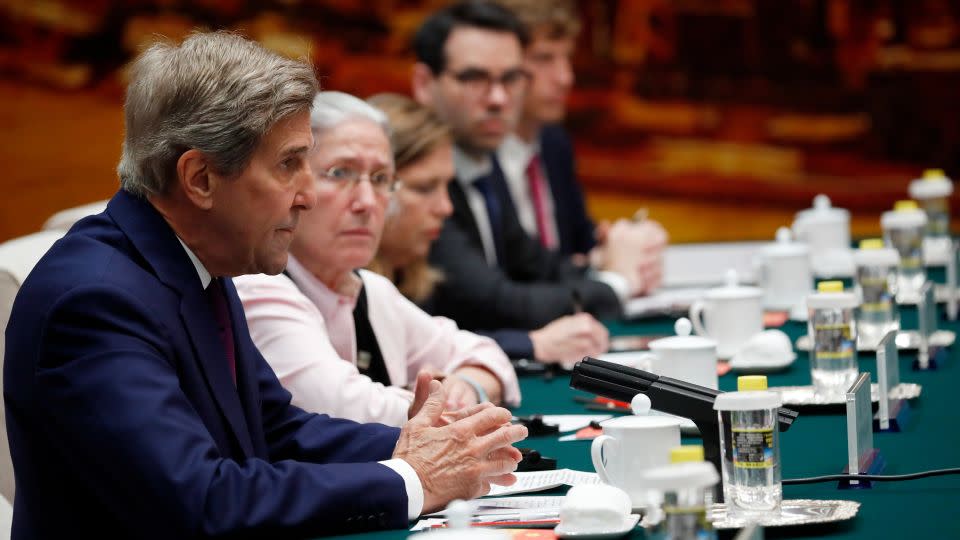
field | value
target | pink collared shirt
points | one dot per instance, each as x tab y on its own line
306	332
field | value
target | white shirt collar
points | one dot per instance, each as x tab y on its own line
469	168
513	149
326	299
202	272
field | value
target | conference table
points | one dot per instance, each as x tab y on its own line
816	444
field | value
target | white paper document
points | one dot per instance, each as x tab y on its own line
498	509
541	480
663	301
510	505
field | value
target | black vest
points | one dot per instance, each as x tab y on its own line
369	358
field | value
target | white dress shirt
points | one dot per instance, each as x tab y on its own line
468	170
411	481
514	155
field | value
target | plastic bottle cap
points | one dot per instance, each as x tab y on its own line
834	298
932	185
677	476
749	383
830	286
905	205
873	252
871	243
686	453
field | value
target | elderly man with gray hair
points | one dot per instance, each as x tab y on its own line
137	404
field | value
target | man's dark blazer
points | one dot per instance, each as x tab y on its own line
124	420
574	226
529	287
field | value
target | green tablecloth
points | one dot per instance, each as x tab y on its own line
816	445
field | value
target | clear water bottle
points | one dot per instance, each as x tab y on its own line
876	282
833	332
903	230
933	191
750	448
685	484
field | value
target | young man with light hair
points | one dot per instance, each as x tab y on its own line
537	159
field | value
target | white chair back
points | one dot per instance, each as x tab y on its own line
17	259
64	219
6	518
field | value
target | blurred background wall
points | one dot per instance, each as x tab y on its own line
722	117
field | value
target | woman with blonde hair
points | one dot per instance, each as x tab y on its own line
423	155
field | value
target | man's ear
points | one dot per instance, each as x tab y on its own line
422	81
196	178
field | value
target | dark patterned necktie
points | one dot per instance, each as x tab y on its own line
218	300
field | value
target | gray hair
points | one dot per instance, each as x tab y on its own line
216	92
330	109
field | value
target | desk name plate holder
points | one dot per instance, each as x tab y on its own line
953	295
862	457
892	413
753	531
927	321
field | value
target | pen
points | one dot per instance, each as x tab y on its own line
534	521
607	407
600	400
576	300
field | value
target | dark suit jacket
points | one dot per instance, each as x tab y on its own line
124	420
529	287
574	226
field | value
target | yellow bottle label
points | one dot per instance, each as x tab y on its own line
752	448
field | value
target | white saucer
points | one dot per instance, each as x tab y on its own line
626	527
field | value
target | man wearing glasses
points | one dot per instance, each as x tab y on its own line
471	71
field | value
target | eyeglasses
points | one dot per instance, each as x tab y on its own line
383	182
479	82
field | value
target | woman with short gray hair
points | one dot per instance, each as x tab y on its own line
345	341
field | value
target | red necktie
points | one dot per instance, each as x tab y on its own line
218	300
538	195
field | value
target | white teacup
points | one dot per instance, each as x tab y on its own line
784	272
629	446
687	358
730	315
